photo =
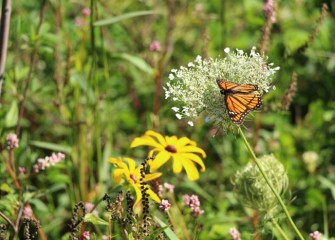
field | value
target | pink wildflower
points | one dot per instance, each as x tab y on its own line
86	12
316	235
79	22
22	170
165	205
169	187
234	234
43	163
155	46
27	212
269	10
86	235
89	207
194	204
12	141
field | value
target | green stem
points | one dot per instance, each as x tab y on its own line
280	230
271	186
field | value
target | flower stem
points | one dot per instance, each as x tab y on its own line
270	185
280	230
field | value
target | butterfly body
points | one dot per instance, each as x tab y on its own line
240	99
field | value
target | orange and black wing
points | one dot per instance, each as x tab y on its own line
241	88
240	104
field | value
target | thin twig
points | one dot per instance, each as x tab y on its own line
4	32
7	220
33	56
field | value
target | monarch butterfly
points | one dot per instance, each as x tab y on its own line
240	99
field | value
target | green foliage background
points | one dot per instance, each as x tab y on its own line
95	85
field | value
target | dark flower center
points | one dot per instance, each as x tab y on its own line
171	149
133	177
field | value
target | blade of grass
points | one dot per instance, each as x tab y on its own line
123	17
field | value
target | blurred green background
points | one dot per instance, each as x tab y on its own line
93	84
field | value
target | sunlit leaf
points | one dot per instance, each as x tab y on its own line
51	146
123	17
5	188
94	219
169	233
12	115
136	61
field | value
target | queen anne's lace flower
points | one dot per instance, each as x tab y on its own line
195	89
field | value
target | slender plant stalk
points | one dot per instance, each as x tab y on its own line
325	219
7	220
195	237
180	223
280	230
11	172
33	57
268	182
4	32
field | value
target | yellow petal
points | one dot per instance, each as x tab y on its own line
171	140
118	161
191	170
159	137
153	195
194	158
177	164
131	164
159	160
145	141
181	142
138	194
117	175
115	160
190	149
151	176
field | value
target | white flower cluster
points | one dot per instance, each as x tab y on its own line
194	88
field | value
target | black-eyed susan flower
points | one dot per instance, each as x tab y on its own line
128	171
183	151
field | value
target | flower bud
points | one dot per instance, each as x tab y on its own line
252	189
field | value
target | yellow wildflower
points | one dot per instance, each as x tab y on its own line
132	175
182	151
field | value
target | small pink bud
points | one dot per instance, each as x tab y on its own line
155	46
86	12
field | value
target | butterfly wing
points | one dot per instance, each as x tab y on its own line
240	104
234	87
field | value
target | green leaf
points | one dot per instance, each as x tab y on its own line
39	205
94	219
123	17
326	183
130	236
12	115
169	233
137	62
5	188
51	146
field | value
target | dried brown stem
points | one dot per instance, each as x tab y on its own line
4	32
290	92
269	12
12	173
7	220
314	32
